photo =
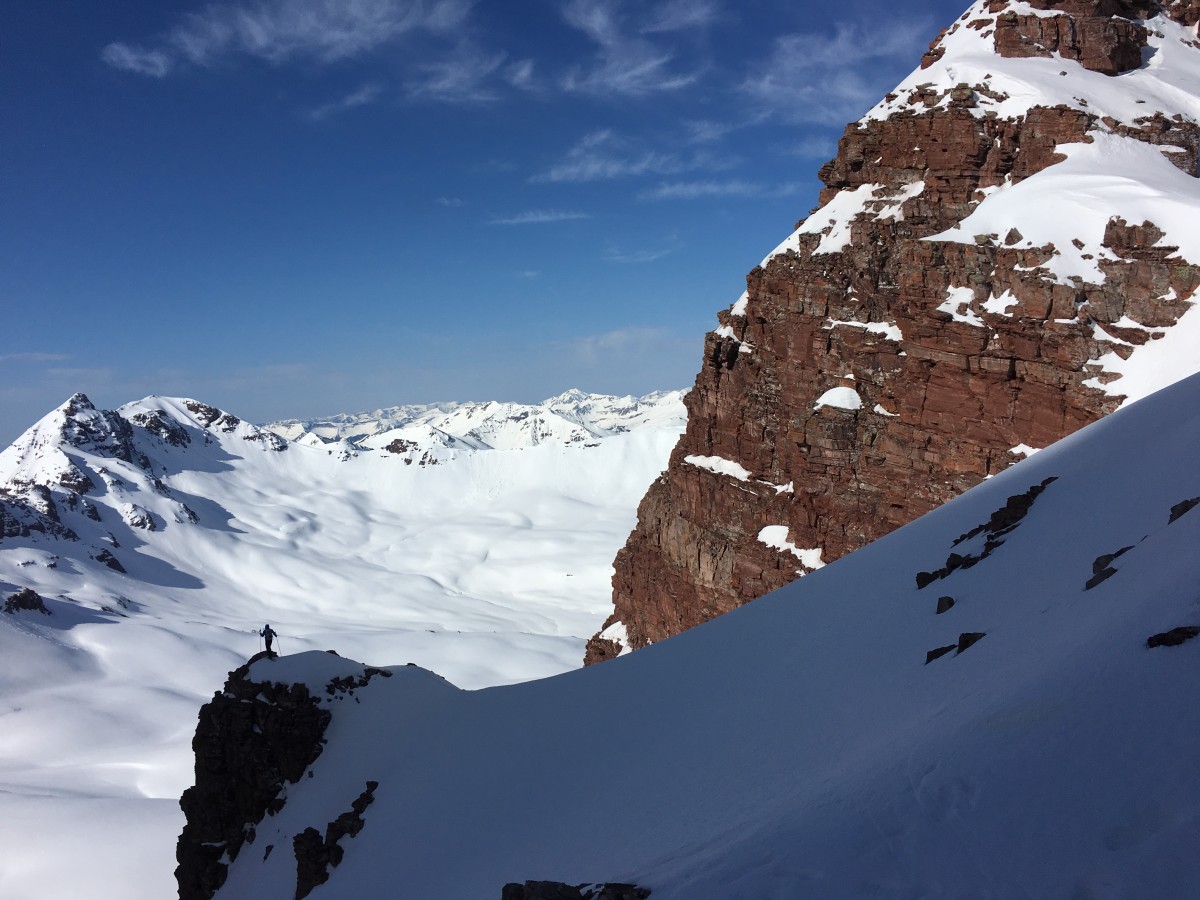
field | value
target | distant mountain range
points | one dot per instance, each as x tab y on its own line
420	432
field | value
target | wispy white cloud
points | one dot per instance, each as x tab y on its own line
822	77
698	190
603	155
465	76
637	256
705	131
520	74
539	217
364	96
626	62
33	357
677	15
281	30
708	131
812	147
154	63
450	202
617	344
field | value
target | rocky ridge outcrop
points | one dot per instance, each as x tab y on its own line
252	738
892	353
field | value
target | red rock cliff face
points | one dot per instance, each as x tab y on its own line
951	354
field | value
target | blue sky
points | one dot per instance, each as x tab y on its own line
291	207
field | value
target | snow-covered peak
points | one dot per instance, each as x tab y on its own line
1166	83
76	425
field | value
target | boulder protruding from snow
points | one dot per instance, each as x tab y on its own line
315	854
1174	637
25	600
557	890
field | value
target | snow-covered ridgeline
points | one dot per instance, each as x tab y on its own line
570	418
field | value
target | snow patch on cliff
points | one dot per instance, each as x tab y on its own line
839	398
1165	84
720	466
1074	200
775	537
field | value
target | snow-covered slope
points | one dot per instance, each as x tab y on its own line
163	535
803	746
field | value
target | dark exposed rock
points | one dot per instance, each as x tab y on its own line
312	861
76	480
1007	517
1095	39
252	738
409	451
137	517
557	890
1001	523
98	431
1185	12
944	604
315	855
601	649
939	652
1182	507
106	557
268	439
163	427
1102	569
213	418
969	639
25	600
348	685
1174	637
21	518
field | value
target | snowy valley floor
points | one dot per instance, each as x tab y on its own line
490	568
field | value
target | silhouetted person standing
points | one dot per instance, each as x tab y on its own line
268	635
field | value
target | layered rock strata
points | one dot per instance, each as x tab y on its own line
937	317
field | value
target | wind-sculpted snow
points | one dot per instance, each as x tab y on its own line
802	746
489	567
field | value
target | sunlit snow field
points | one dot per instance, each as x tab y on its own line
491	568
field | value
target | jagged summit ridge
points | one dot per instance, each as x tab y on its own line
1004	252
